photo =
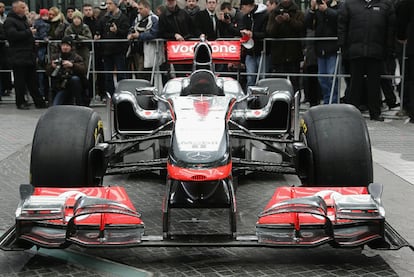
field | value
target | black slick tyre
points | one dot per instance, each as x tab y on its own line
341	150
63	137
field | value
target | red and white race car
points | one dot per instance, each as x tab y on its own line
203	132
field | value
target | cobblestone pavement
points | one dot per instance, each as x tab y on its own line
393	145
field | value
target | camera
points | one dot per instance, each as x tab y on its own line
56	71
110	22
319	2
280	11
227	16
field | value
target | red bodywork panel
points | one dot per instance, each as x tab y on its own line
117	194
286	193
190	174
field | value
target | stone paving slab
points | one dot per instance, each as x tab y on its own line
391	140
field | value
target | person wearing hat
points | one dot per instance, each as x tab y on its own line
67	71
79	31
42	27
103	6
253	26
113	26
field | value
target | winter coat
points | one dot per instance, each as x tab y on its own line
3	46
57	27
405	24
192	13
78	69
122	23
204	25
42	29
21	51
91	22
366	30
81	32
256	21
325	25
148	30
286	51
176	22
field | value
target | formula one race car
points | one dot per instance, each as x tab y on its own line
202	132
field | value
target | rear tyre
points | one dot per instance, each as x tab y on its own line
63	137
340	144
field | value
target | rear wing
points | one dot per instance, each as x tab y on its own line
223	51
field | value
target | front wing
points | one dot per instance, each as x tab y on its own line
294	217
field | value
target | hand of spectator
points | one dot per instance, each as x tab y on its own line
402	41
113	28
132	36
286	17
279	18
178	37
97	37
67	64
323	6
246	32
33	30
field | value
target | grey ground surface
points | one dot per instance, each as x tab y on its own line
393	152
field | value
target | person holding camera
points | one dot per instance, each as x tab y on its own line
142	49
322	17
253	26
113	26
67	71
286	21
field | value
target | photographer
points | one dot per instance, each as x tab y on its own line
286	21
67	71
322	17
142	48
113	26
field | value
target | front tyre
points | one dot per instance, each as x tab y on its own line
63	137
340	144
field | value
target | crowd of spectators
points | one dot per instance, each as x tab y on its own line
369	32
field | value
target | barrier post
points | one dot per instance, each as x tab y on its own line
402	79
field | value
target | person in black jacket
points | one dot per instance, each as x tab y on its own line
405	34
22	55
213	25
207	21
68	74
176	24
114	25
366	35
322	18
287	21
254	26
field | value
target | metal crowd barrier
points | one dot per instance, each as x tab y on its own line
156	79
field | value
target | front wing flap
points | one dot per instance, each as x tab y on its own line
294	217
